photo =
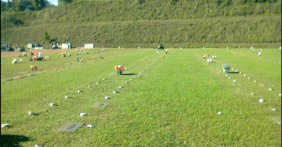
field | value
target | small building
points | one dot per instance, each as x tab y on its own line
29	45
66	45
89	45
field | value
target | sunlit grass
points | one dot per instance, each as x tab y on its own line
175	103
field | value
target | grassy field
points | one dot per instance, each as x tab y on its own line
174	103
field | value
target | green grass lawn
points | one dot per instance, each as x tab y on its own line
174	103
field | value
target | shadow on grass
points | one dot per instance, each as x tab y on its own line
129	74
13	140
234	72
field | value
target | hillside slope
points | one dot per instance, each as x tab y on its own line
147	23
217	32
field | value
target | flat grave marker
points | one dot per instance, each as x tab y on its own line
71	127
101	105
277	119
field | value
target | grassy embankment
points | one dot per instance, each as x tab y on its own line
148	23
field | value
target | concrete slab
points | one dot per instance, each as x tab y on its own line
101	105
71	127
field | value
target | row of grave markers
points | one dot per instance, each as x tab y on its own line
72	127
261	100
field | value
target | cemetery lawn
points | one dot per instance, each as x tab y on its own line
174	103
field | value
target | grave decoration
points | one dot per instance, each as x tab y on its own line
261	100
273	109
259	53
30	113
119	69
90	126
270	89
225	68
82	114
3	125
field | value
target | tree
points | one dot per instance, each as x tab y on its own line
46	37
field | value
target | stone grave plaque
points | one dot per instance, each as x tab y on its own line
101	105
71	127
277	119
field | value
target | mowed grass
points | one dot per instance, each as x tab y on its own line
174	103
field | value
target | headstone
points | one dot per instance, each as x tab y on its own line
219	113
71	127
101	105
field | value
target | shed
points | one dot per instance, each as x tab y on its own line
89	45
29	45
66	45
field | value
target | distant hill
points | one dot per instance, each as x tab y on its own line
145	22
